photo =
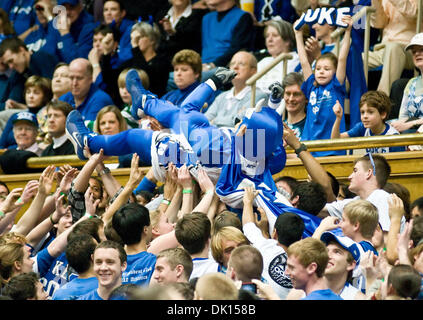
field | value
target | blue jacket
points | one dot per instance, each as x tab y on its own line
44	39
79	41
178	96
95	100
124	50
21	14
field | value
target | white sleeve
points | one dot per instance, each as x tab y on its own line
253	233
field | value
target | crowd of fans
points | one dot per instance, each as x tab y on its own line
84	236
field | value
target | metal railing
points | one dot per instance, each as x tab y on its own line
252	81
315	145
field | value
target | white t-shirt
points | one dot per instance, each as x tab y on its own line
275	74
274	260
201	266
379	198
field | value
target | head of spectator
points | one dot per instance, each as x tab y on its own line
226	218
73	8
4	191
224	241
404	282
343	257
123	92
187	68
6	27
184	289
99	33
245	264
416	48
160	223
25	129
113	10
416	208
15	54
109	121
295	100
81	75
279	37
289	228
416	234
370	172
98	192
285	185
344	192
15	258
215	286
416	257
132	223
93	227
146	37
25	286
143	197
43	11
79	251
359	220
220	5
245	66
57	111
323	32
193	232
309	196
172	265
375	107
60	83
109	260
306	265
37	92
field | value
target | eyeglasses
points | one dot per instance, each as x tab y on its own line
39	8
372	162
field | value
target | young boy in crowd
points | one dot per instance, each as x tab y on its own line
375	107
126	97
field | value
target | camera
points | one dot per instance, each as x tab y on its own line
249	286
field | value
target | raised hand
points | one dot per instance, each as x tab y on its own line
46	180
337	110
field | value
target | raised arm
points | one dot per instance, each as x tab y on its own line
185	180
313	167
302	53
396	212
207	187
82	179
341	70
37	233
9	208
135	177
337	110
31	216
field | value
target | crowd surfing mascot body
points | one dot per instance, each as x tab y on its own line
233	159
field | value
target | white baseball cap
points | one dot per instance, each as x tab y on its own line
417	40
345	242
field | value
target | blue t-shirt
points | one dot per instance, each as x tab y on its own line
75	288
92	295
320	117
360	131
139	268
95	100
55	274
322	295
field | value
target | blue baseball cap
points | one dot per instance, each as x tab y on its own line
71	2
345	242
25	116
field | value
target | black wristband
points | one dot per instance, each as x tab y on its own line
302	147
